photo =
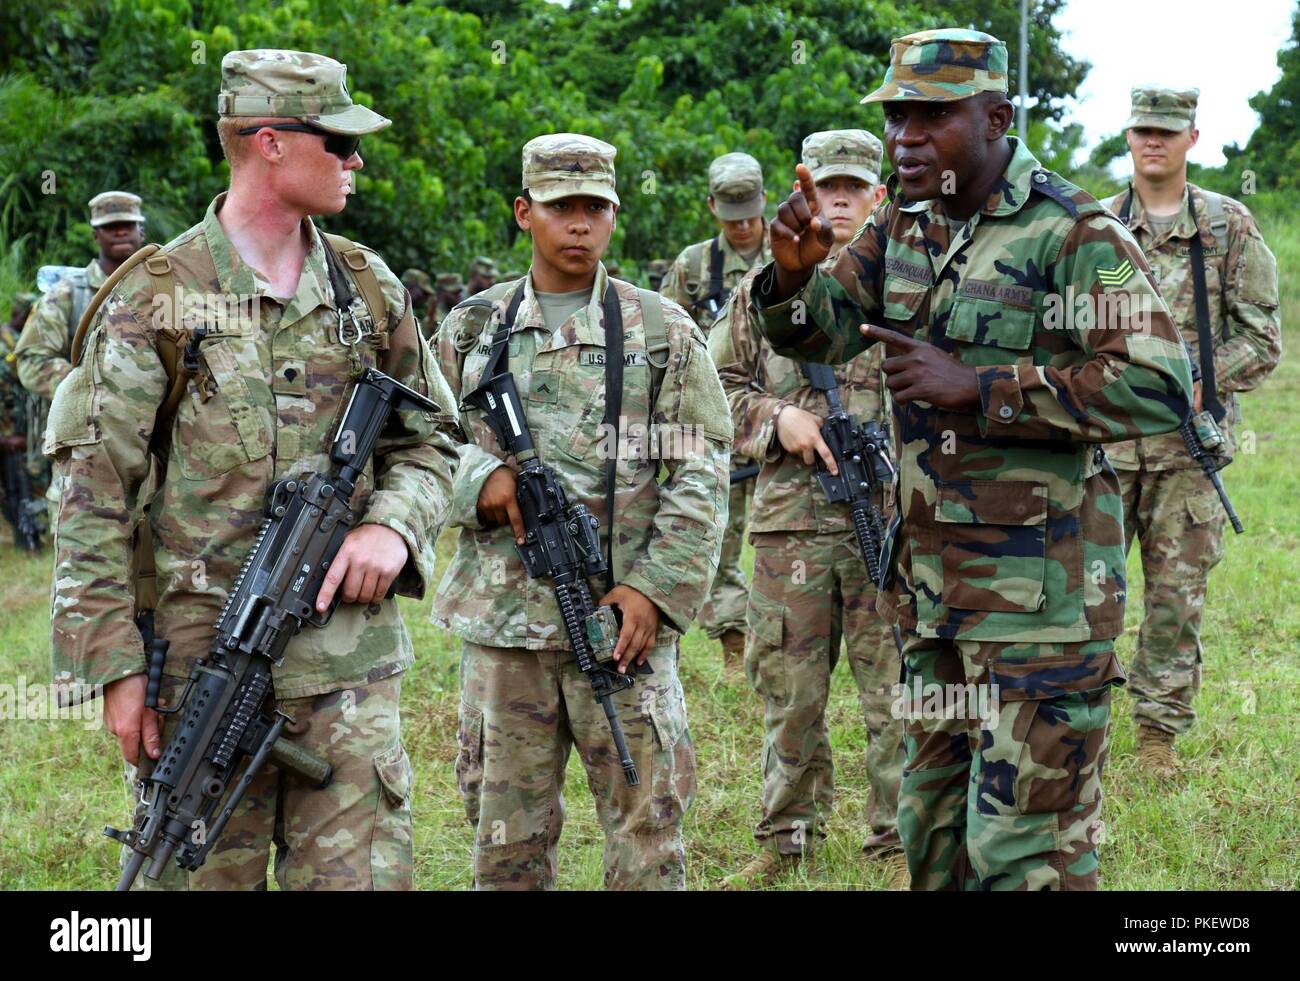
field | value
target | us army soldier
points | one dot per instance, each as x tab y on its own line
701	279
1007	574
1169	506
274	372
524	703
811	589
45	344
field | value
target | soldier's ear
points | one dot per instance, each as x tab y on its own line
1196	135
523	213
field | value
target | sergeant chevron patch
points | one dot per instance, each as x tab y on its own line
1117	276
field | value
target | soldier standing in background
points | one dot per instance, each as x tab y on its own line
449	290
701	279
811	590
1006	572
483	275
45	345
656	270
1169	505
524	703
273	376
420	286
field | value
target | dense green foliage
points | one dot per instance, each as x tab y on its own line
122	93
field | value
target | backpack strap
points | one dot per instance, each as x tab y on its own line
81	297
656	341
357	261
1218	220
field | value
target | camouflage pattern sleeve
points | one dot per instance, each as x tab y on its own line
735	351
1136	380
1254	346
40	352
98	433
677	568
674	284
821	321
457	335
416	457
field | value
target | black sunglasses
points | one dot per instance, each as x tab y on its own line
341	146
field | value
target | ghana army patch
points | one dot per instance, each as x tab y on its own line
1116	276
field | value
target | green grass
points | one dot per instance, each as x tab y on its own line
1229	825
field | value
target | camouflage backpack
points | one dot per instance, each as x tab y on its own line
172	340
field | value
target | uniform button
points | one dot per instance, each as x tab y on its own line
1006	412
1040	178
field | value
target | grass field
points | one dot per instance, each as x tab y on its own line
1230	824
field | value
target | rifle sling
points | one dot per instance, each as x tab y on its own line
499	361
1204	340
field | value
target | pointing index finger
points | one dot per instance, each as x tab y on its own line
891	337
808	186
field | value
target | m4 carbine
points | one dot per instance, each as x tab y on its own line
23	511
1207	446
562	544
861	452
227	713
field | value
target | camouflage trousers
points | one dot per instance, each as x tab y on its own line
1178	521
355	834
725	607
520	713
810	591
1005	749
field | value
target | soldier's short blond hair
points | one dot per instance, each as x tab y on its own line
235	147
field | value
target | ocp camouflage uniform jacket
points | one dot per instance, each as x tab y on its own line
1011	520
272	386
758	381
43	347
669	535
1241	287
687	281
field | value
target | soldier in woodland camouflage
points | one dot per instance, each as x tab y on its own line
273	375
1169	506
700	279
524	703
811	589
1006	572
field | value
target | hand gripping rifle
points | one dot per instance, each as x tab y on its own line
1206	445
562	544
227	713
861	452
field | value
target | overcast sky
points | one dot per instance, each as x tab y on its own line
1228	51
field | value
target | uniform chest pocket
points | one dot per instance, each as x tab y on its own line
584	385
905	300
991	540
219	426
988	323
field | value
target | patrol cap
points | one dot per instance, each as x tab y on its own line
561	165
114	206
306	86
484	266
1162	107
736	186
843	153
417	277
943	66
658	267
451	282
